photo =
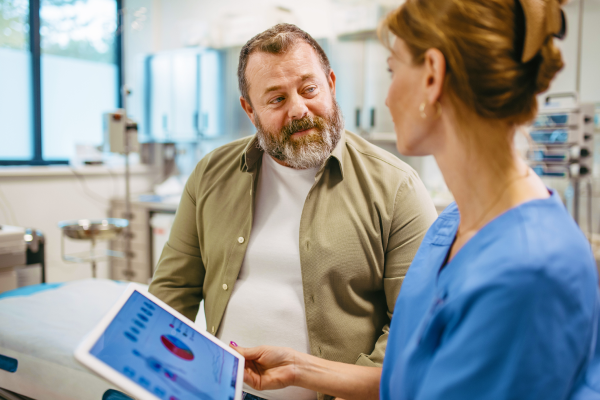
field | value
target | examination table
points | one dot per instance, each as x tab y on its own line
40	327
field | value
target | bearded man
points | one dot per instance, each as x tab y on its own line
300	235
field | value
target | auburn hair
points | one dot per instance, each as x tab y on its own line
482	42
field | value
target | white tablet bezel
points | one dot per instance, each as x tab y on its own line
83	355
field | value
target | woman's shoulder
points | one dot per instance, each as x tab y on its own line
536	239
551	239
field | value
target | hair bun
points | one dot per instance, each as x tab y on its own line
549	64
483	43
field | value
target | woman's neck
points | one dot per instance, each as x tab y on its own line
485	175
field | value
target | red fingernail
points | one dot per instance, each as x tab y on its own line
234	344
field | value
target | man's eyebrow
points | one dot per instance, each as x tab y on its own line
307	76
303	78
272	89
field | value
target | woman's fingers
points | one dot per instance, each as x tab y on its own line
252	372
251	353
251	375
267	367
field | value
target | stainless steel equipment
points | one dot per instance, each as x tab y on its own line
92	230
162	156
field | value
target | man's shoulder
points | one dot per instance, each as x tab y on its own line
375	156
229	153
234	148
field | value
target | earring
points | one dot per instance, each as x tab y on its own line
438	110
422	110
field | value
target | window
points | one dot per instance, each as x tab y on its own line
15	84
53	93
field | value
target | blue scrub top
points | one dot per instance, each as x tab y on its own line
514	315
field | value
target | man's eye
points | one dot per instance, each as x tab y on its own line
311	89
278	100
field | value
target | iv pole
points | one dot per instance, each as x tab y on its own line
124	93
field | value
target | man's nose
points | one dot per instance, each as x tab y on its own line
298	108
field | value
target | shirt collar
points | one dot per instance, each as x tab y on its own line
338	153
252	153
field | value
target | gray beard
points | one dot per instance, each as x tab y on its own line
308	151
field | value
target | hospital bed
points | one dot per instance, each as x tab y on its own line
40	327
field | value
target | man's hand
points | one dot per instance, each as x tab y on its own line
268	367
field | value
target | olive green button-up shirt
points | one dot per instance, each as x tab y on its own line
361	225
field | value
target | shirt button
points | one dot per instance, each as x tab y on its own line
224	286
241	239
212	329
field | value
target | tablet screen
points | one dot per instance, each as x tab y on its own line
164	355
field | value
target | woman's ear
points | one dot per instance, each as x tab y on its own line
435	75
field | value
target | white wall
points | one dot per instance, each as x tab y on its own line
40	197
566	79
590	66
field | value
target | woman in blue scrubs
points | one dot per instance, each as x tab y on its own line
501	300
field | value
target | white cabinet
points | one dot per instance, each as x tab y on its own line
362	85
184	100
211	93
161	73
348	62
184	95
376	84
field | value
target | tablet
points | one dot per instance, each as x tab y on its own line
152	352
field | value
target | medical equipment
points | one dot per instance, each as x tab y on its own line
12	254
12	246
562	142
41	327
120	132
22	260
162	156
92	230
121	136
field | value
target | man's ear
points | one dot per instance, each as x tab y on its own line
248	109
331	81
435	74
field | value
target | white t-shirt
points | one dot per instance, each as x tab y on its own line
267	303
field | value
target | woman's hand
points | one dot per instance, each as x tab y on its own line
269	367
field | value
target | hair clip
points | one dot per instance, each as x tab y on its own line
563	29
542	18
